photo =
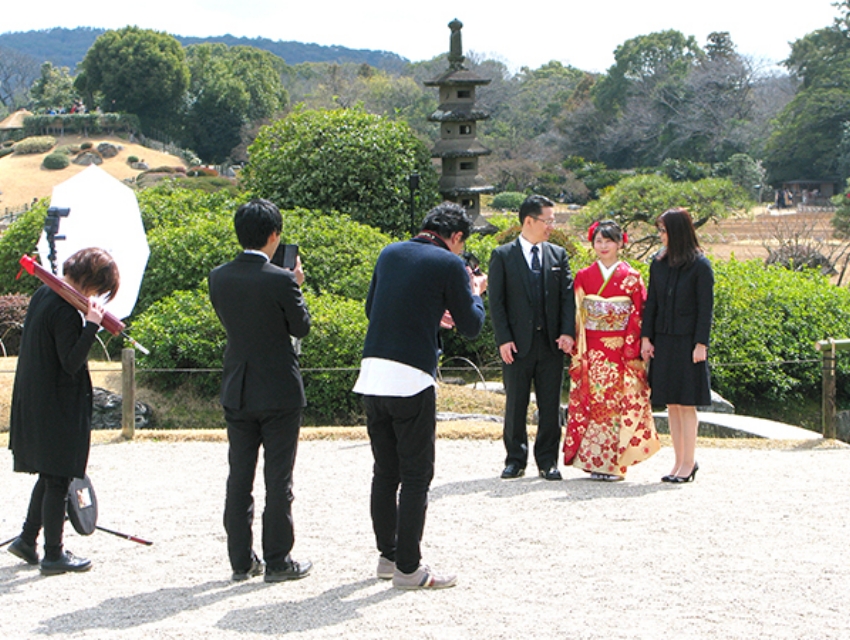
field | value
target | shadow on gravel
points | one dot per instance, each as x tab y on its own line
569	490
138	609
333	607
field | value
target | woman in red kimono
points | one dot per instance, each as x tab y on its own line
610	424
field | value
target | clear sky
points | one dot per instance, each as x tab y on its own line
523	33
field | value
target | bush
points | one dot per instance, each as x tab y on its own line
507	201
344	160
55	161
132	159
208	185
202	172
13	310
182	256
182	332
335	341
338	254
35	144
767	316
86	145
21	237
68	149
5	151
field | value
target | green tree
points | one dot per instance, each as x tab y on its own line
636	202
138	71
53	88
807	137
347	161
230	88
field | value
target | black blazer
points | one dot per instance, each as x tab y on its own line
511	296
50	428
260	306
680	301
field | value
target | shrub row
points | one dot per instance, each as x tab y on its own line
35	144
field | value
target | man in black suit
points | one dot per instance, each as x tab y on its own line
262	309
533	312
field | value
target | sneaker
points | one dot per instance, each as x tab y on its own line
422	578
24	551
386	568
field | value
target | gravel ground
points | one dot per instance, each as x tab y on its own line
755	548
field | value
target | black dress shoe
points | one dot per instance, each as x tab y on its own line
551	473
24	550
513	470
257	568
66	562
293	570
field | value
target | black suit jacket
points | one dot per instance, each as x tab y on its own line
260	306
680	301
511	296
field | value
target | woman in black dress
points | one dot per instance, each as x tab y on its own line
52	403
676	327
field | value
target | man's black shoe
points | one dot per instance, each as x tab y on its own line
551	473
257	568
66	562
24	551
512	470
293	570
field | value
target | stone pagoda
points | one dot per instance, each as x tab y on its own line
458	147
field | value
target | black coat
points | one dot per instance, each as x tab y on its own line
260	306
52	398
680	300
511	296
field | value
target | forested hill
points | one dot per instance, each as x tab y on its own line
67	47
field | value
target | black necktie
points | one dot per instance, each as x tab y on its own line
535	259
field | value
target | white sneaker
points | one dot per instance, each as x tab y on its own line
386	568
422	578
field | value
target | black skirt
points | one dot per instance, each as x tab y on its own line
674	378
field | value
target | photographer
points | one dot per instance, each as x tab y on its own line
414	284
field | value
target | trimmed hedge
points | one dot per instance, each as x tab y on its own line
55	161
35	144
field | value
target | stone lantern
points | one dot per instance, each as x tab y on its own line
458	147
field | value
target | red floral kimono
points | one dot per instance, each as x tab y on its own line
610	424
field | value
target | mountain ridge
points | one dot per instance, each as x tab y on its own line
65	47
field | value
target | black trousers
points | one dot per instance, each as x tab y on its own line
402	432
546	370
47	508
277	431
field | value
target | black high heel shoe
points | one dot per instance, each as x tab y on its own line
690	478
668	478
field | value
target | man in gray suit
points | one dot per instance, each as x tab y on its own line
261	308
533	312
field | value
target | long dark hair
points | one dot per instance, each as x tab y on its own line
682	244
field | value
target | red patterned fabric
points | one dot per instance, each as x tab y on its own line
610	424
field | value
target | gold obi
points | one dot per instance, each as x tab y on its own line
606	314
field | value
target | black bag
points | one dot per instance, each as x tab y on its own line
82	506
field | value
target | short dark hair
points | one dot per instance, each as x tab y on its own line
533	206
682	244
93	268
255	221
448	218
